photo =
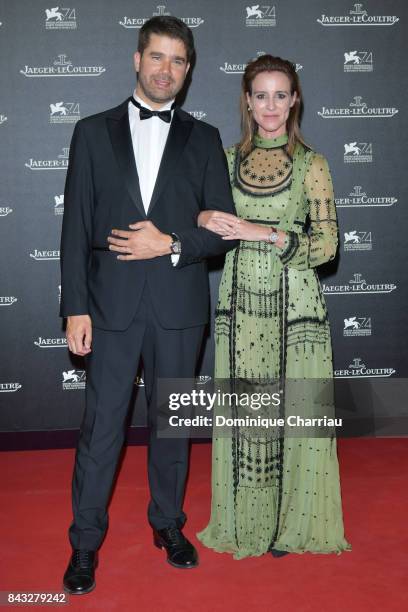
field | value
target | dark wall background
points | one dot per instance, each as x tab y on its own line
58	65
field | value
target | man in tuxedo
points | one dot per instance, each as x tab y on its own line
135	282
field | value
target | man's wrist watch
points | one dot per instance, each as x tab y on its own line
273	236
175	246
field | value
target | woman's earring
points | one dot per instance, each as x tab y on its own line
249	109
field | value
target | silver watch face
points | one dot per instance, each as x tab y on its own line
176	247
274	237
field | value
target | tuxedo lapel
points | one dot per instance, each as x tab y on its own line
119	132
179	132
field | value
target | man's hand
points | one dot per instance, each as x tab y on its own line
145	241
79	334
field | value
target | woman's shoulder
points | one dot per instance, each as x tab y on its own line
231	155
231	151
316	159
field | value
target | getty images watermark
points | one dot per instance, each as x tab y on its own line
224	405
373	404
253	401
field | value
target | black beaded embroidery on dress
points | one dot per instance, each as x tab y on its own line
262	314
257	455
264	171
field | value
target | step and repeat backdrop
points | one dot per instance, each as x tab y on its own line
61	63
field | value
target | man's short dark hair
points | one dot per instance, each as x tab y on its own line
170	26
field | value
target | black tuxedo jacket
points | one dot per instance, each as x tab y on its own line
102	192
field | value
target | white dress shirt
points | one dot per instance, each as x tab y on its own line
148	139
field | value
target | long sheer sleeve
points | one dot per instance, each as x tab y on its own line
308	250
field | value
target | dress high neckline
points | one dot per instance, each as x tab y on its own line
270	143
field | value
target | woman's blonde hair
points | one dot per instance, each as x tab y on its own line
249	127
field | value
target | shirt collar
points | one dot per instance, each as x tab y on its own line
166	106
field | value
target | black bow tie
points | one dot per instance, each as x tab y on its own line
145	113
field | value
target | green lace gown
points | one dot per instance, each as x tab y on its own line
271	322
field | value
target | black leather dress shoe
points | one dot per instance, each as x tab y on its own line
278	553
180	552
79	577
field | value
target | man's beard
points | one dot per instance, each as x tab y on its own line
155	96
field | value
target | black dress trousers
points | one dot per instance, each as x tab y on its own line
111	370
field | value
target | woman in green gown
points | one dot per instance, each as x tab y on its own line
274	492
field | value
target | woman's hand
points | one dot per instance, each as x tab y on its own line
216	221
231	227
246	230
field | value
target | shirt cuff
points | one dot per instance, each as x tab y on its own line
175	258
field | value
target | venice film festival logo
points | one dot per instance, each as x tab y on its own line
7	300
46	255
61	163
357	286
232	68
357	109
358	152
3	119
60	18
358	61
357	16
357	241
359	199
64	112
61	67
358	369
51	342
11	387
260	16
73	380
59	205
137	22
5	211
357	326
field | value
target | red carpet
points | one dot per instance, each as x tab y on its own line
133	575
